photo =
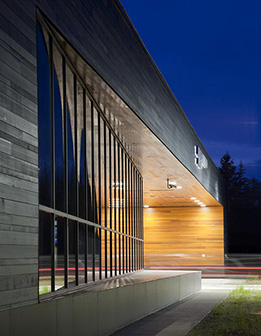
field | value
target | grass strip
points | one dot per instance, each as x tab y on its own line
233	316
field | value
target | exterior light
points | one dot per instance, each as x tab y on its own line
171	185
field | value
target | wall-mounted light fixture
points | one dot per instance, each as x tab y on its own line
172	185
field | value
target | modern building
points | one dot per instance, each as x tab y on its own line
101	173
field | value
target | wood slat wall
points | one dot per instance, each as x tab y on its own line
181	235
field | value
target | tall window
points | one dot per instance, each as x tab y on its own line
90	191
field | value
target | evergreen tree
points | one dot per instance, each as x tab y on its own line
243	205
227	170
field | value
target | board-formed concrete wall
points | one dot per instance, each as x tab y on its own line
18	155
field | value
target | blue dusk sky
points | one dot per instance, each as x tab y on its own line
209	52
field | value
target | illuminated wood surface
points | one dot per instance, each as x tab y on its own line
183	236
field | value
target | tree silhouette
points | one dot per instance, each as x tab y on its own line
243	208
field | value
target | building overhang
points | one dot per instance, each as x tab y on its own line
154	160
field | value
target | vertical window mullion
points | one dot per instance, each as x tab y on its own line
52	162
139	223
66	238
93	194
111	202
132	219
129	202
142	233
115	206
135	220
99	194
85	186
76	179
133	216
126	212
119	208
123	210
136	215
105	199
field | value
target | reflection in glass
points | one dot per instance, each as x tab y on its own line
59	154
81	151
72	253
82	251
90	260
71	142
88	167
45	248
59	251
44	121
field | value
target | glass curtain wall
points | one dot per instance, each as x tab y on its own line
90	191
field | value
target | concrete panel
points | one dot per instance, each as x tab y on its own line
37	319
189	284
113	315
165	292
4	323
151	296
64	316
85	314
140	298
174	286
107	312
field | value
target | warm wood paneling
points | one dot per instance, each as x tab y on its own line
183	236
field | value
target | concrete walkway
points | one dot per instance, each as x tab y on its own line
179	318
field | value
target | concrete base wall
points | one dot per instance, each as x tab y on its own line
98	312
